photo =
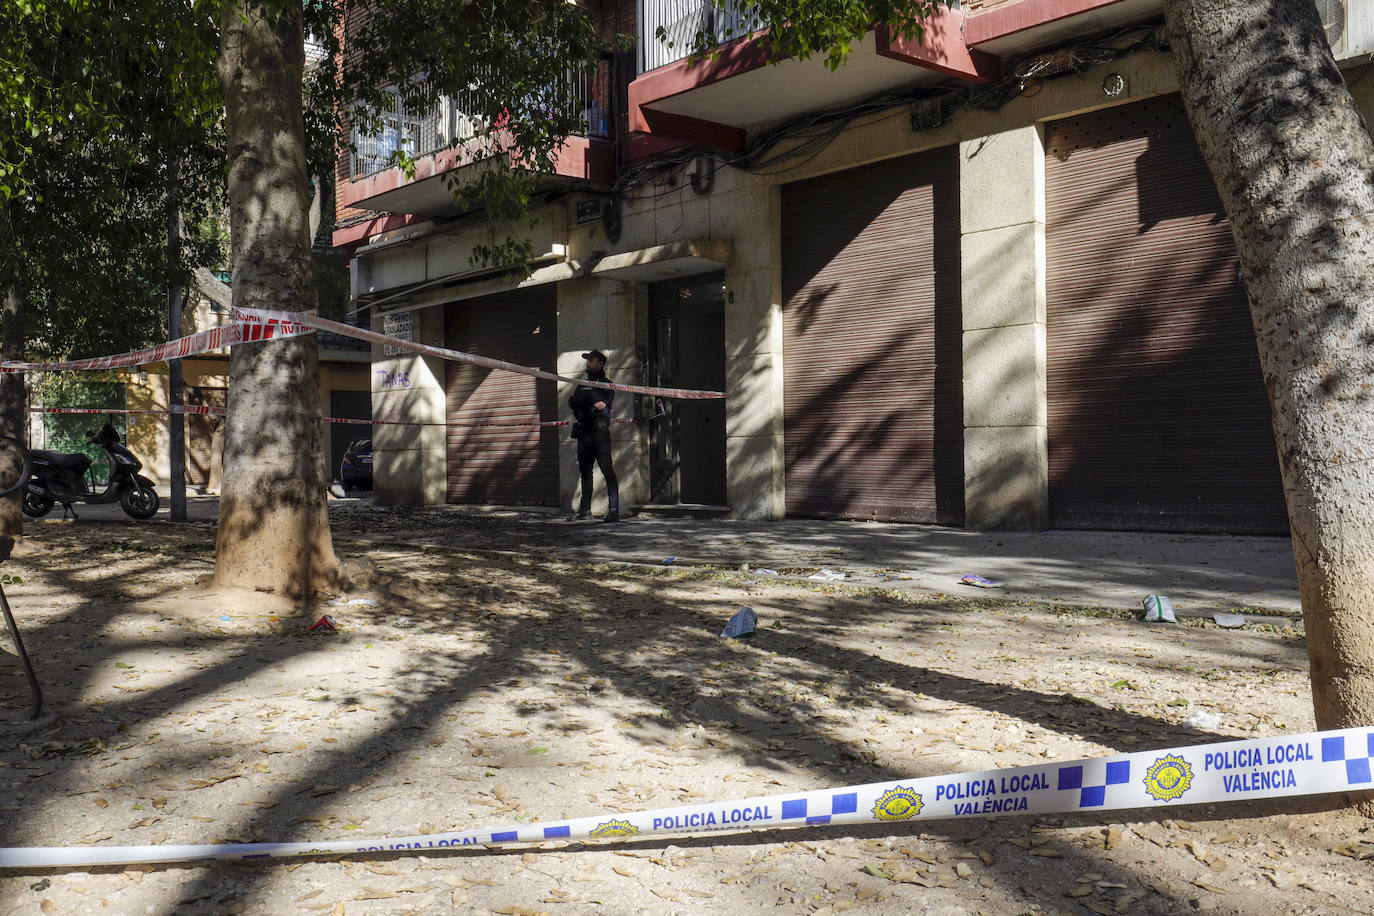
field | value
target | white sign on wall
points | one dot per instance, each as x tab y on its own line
400	326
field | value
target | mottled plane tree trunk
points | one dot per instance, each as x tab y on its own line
273	522
1294	163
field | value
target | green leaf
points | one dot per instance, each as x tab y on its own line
1179	702
536	750
1123	685
123	665
876	871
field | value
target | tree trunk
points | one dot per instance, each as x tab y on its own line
176	379
273	522
14	419
1293	162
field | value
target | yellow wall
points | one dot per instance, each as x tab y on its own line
150	435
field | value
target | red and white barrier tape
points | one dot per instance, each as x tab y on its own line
204	410
258	325
247	328
194	409
324	324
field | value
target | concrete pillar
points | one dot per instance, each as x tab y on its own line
754	458
610	316
410	463
1002	220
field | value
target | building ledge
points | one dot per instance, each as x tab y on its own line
426	194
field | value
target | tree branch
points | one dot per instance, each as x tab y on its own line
211	287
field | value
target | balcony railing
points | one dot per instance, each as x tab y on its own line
422	133
681	20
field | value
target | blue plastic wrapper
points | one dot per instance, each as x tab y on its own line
742	624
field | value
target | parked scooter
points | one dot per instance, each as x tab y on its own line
58	477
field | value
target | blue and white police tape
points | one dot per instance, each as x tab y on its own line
1256	768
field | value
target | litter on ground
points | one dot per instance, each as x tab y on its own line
1159	609
742	624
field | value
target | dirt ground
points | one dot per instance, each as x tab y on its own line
509	688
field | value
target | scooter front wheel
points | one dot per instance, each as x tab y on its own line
140	501
36	506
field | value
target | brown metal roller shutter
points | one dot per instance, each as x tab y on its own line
200	432
1158	417
873	414
503	465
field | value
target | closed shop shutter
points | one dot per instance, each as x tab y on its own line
873	414
504	464
1158	417
200	431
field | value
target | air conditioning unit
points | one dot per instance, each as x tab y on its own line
1349	27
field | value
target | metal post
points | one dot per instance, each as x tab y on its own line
176	458
23	656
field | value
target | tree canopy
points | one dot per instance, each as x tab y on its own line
97	100
517	71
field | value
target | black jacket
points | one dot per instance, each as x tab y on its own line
583	400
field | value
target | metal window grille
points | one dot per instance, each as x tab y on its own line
453	119
417	134
681	20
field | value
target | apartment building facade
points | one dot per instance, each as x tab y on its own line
982	280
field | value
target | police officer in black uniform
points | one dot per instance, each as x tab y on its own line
591	409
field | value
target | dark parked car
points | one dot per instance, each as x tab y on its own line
355	471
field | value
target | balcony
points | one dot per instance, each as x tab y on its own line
444	139
718	102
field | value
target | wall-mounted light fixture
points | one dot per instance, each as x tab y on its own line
1113	85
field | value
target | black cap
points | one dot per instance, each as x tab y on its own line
595	354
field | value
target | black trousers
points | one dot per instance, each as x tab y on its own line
595	448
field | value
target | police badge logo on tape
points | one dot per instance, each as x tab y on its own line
614	828
898	804
1168	778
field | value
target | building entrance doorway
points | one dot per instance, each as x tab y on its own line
687	350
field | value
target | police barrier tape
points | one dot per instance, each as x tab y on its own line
247	328
253	326
257	325
207	410
1254	768
347	330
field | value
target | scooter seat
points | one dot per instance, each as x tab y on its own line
62	459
